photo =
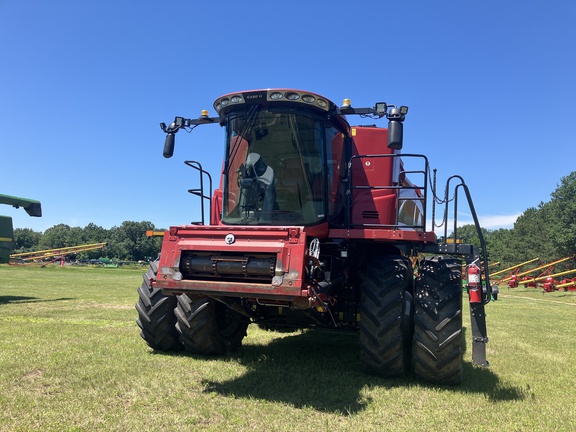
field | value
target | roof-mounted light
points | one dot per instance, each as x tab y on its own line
204	113
277	97
381	108
346	107
292	96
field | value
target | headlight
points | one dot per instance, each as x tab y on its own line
292	96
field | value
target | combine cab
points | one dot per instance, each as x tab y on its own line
316	223
32	207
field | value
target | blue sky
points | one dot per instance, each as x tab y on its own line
84	85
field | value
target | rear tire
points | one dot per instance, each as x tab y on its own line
156	317
437	347
383	340
208	327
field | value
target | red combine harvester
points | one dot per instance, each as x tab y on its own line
316	225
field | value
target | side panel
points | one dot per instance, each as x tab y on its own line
6	238
372	206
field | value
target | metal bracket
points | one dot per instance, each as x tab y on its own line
479	334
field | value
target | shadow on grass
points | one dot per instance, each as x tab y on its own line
323	371
23	299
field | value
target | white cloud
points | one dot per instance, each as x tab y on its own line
493	222
498	221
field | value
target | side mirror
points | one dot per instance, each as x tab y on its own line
395	134
169	145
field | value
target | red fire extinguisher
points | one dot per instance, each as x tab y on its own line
474	284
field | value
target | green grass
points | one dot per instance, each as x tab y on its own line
71	358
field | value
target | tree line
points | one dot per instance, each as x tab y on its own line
547	231
127	242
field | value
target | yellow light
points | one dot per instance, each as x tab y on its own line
346	103
204	113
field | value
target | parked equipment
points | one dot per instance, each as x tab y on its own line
513	280
314	224
32	207
510	271
549	280
56	253
565	284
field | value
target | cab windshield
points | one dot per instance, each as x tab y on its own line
274	171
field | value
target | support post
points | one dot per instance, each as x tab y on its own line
479	334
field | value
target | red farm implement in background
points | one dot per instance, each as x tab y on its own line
527	281
509	272
565	284
550	284
316	224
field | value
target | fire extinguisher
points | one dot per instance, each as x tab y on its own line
474	284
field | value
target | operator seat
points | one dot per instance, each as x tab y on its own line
258	190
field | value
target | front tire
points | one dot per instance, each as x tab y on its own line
383	340
437	347
156	317
208	327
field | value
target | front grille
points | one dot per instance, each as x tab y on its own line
239	267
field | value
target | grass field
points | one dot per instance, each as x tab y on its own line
71	359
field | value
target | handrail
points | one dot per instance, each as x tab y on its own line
200	191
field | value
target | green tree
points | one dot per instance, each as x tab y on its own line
469	235
56	237
93	233
26	240
75	237
563	210
499	245
533	234
129	241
